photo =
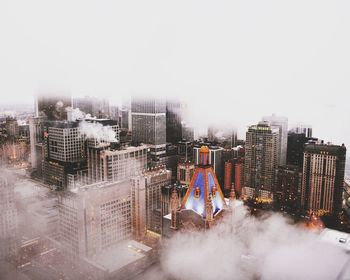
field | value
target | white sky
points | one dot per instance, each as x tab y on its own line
231	60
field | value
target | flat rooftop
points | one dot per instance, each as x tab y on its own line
125	253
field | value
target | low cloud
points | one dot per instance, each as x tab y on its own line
97	131
245	247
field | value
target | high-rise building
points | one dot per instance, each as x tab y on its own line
302	128
323	178
228	176
239	176
261	160
295	148
94	218
149	124
8	219
64	152
187	132
282	124
185	172
288	188
173	121
146	200
108	164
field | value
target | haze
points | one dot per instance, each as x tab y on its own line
230	60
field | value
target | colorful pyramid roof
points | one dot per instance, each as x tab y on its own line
203	185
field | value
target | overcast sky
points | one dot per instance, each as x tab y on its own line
230	60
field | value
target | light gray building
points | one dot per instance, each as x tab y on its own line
282	124
94	218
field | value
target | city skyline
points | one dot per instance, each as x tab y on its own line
148	140
261	58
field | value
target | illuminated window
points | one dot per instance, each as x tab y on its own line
197	192
213	194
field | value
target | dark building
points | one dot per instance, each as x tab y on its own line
149	124
185	150
173	122
295	148
288	188
323	178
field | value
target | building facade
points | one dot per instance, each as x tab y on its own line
146	200
323	178
282	124
149	124
94	218
261	160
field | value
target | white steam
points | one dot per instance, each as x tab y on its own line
97	131
244	247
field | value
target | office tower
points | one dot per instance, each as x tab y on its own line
108	164
146	200
204	203
149	124
239	176
185	150
94	218
228	176
173	121
185	172
288	188
215	159
323	178
53	108
36	128
125	116
12	129
302	128
295	148
8	218
282	124
63	152
261	160
187	132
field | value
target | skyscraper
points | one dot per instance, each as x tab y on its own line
261	160
323	178
287	188
146	190
149	124
173	121
295	149
282	124
8	218
94	218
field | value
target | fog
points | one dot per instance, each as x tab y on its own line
245	247
229	60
